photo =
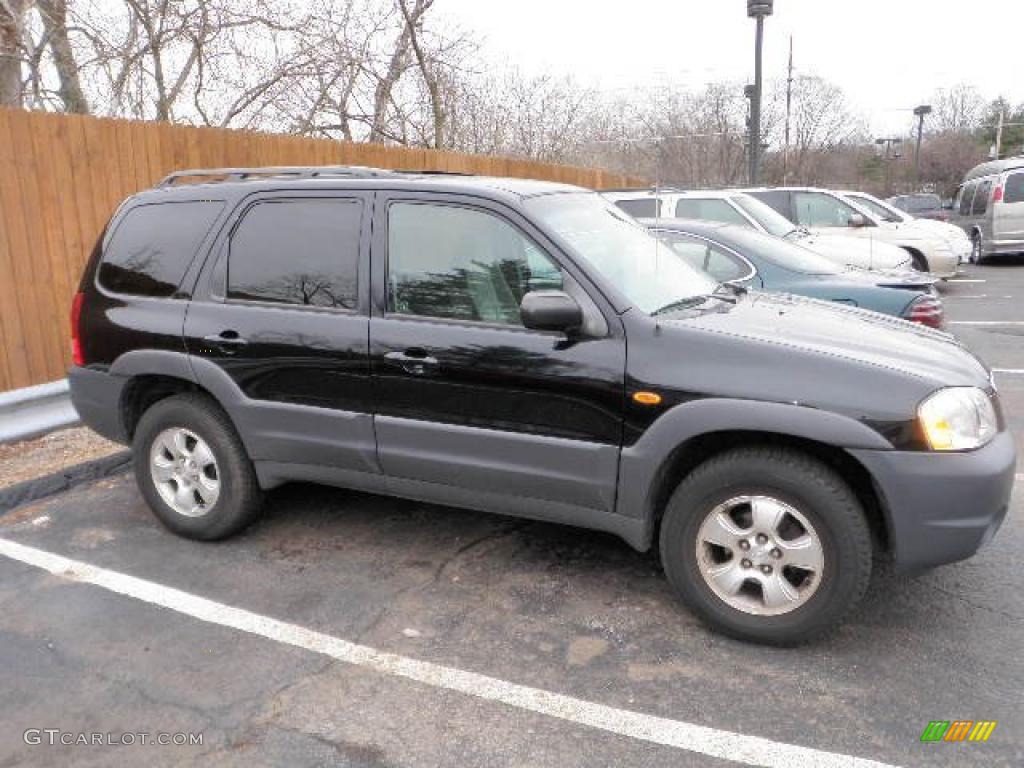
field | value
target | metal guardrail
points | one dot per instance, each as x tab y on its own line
33	411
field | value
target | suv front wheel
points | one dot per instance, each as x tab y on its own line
192	469
767	545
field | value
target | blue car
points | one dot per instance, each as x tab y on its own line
744	257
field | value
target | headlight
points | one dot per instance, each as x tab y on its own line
957	419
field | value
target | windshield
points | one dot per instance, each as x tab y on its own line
878	208
774	223
781	253
645	270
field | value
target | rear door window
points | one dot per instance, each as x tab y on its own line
710	209
640	209
297	252
981	197
1013	189
153	246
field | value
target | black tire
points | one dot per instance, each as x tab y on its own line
918	262
977	252
800	481
239	499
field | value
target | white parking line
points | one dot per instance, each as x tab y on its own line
740	748
965	280
985	322
1008	370
975	296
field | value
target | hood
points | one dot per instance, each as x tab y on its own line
829	333
940	228
857	252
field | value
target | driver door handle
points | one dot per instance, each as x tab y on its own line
414	360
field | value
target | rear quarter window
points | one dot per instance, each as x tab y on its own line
640	209
153	245
1013	190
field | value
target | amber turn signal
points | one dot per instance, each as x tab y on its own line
647	398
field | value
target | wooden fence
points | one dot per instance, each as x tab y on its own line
61	176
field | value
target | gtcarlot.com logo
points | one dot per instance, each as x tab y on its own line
958	730
55	736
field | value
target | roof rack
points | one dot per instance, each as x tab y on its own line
220	175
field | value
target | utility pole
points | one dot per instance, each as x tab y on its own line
789	99
999	134
757	10
919	112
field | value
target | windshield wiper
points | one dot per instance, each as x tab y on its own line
695	301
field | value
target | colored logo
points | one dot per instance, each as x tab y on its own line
958	730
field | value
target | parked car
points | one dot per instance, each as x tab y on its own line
822	210
742	256
463	341
989	207
743	210
921	205
959	243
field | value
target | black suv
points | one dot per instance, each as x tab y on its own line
527	348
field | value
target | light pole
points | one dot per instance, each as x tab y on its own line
919	112
757	10
889	154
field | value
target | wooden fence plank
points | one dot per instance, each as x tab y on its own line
62	176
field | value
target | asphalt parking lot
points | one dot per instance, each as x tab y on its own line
512	643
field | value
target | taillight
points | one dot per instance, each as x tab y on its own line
926	310
76	341
997	195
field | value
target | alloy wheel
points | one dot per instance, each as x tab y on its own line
184	471
760	555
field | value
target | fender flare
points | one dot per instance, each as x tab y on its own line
641	463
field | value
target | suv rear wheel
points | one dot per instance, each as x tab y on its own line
767	545
192	469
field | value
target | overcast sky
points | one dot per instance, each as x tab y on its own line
888	55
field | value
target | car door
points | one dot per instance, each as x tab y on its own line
1009	213
467	400
980	210
278	328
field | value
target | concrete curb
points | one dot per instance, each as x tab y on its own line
47	485
33	411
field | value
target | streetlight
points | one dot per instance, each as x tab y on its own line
889	143
919	113
757	10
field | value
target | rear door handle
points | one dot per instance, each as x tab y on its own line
413	360
227	341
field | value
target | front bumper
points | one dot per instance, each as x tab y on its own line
942	507
942	263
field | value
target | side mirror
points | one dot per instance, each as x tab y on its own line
550	311
856	220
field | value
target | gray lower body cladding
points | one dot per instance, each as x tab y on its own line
942	507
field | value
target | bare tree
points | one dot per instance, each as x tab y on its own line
957	109
54	17
13	50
